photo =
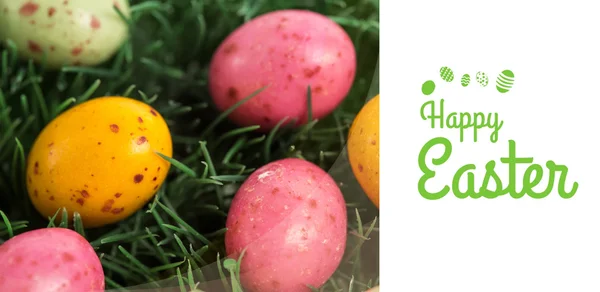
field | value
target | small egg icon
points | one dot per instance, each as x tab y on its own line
446	74
465	80
428	87
482	78
505	81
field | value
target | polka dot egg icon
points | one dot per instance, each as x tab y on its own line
98	158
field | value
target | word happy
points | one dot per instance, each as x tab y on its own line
531	178
462	121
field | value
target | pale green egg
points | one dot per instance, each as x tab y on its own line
66	32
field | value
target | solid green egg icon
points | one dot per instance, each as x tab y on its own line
505	81
428	87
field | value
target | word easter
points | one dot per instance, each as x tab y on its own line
531	178
462	121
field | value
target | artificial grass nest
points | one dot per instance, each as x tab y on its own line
177	241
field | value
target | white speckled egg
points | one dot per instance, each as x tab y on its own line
69	32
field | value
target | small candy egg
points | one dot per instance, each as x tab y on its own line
290	216
363	148
287	50
446	74
482	78
98	158
69	32
505	81
52	260
465	80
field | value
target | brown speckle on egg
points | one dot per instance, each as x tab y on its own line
114	128
94	22
67	257
107	205
34	47
138	178
84	194
309	73
28	8
232	93
141	140
51	11
76	51
230	48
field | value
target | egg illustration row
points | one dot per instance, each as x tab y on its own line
98	159
284	52
73	32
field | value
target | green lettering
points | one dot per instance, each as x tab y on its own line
550	165
432	115
470	182
561	181
529	184
428	173
490	173
512	160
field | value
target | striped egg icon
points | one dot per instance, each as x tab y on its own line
465	80
446	74
505	81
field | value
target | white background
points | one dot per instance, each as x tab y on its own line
552	113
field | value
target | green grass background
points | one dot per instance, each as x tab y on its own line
165	63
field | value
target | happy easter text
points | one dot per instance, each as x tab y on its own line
491	186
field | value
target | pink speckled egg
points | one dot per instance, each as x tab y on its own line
68	32
50	260
290	217
287	50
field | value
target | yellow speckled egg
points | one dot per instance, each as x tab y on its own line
69	32
98	158
363	148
